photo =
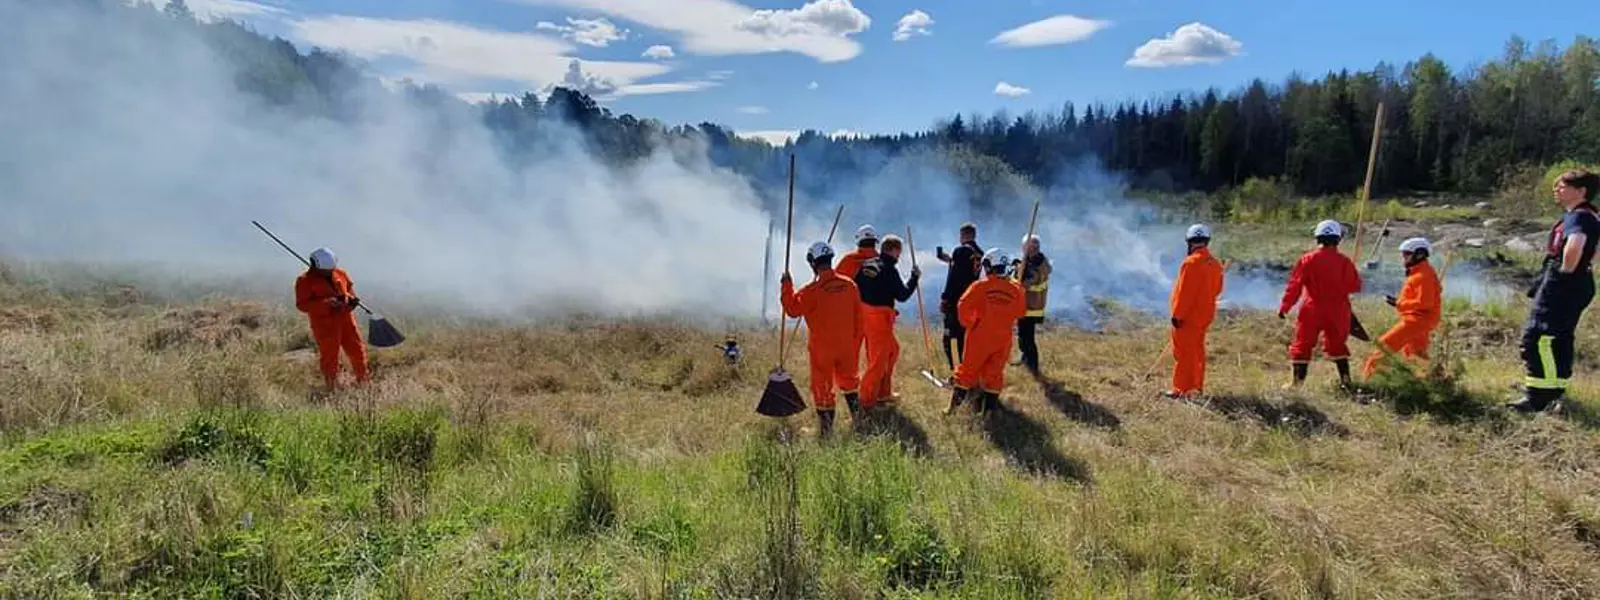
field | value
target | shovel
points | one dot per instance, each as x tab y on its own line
380	333
927	340
1375	260
781	398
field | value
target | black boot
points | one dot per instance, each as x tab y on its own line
825	422
955	400
1535	400
1300	370
853	400
991	402
1344	372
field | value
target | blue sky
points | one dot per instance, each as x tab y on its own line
879	66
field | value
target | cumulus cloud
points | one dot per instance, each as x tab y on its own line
820	29
776	137
658	52
1191	44
915	23
1010	91
484	97
752	110
813	85
598	33
1057	30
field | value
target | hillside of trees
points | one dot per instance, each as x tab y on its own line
1452	129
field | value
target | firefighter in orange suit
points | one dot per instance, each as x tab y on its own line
1194	307
1326	279
866	249
831	306
880	285
328	298
989	311
1419	304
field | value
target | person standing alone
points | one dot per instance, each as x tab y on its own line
1564	290
328	298
1194	307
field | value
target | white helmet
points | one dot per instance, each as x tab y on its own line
1415	244
1197	231
996	257
1032	237
818	251
1329	228
322	258
866	232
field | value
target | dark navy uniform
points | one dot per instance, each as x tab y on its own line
1559	299
964	267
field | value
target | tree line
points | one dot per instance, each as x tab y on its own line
1453	130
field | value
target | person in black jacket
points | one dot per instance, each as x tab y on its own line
1563	291
964	264
881	288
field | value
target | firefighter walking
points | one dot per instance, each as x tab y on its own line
328	298
1419	305
1564	289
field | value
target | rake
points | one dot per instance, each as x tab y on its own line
922	316
781	398
380	333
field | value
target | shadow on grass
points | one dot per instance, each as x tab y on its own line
1297	417
1030	445
1437	393
1073	405
888	421
1581	414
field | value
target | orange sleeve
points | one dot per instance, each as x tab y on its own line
1420	299
1020	305
308	300
1291	294
1184	292
1353	276
791	301
970	308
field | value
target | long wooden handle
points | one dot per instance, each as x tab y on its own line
788	242
836	216
1366	188
922	316
1024	254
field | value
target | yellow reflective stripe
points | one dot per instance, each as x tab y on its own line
1039	288
1547	362
1035	313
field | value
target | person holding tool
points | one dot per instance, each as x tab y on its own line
1036	287
880	285
1194	306
1419	305
964	264
1326	278
1564	289
832	305
328	298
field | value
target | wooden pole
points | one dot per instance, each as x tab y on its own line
788	242
1366	188
922	316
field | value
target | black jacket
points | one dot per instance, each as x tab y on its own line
965	263
880	283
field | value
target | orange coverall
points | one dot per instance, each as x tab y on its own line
989	311
1326	278
831	306
1419	306
1194	307
850	264
333	327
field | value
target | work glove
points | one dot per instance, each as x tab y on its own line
786	278
916	272
1177	323
336	302
1281	315
354	302
1391	300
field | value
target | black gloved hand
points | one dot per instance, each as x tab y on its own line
786	278
1177	323
1391	300
1281	315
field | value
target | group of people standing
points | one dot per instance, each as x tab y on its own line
988	296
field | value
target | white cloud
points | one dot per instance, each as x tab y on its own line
776	137
820	29
846	134
718	75
589	32
658	52
914	23
1010	91
752	110
1061	29
1191	44
813	85
484	97
212	10
671	87
451	53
